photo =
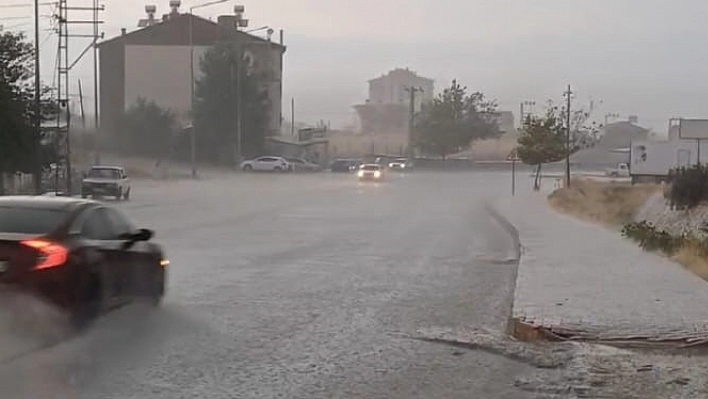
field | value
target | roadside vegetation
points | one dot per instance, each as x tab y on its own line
687	189
22	148
615	205
454	120
611	204
545	139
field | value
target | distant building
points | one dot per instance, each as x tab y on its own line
505	121
604	154
154	62
392	88
387	110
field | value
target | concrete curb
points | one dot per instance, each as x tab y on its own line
507	226
513	326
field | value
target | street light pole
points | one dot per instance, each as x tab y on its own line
240	23
192	82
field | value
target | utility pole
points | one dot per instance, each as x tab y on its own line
37	107
63	68
567	144
63	93
411	121
292	117
96	116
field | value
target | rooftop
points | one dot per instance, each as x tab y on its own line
175	30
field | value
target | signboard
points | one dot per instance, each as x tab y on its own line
513	156
696	129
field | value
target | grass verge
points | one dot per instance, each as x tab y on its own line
614	204
692	257
606	203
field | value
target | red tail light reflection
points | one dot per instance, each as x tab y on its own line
52	255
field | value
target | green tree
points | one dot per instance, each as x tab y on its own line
18	138
545	139
454	120
147	129
216	116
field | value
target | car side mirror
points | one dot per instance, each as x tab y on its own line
137	236
143	235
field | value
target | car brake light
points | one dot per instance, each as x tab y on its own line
164	262
51	254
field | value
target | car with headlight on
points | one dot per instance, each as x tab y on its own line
106	181
79	255
371	171
400	164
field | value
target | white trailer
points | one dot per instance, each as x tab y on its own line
651	161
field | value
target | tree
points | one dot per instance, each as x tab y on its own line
216	116
454	120
147	129
19	140
545	139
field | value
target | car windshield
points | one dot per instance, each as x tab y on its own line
21	220
104	173
371	167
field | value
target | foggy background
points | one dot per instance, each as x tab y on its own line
642	57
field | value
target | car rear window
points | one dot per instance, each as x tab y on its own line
105	173
21	220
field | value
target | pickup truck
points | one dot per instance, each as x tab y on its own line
106	181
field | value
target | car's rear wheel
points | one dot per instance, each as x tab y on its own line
278	169
247	168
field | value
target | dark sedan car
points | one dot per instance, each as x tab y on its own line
79	255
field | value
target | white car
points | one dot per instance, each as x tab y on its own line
106	181
371	171
266	164
400	164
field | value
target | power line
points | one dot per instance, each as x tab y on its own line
26	5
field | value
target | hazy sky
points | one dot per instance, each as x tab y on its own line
643	57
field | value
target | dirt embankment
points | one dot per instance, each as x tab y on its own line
617	204
609	204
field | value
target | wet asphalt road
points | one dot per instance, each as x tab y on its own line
302	286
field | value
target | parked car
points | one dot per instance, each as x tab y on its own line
400	164
371	171
80	255
106	180
266	164
621	170
344	165
303	165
